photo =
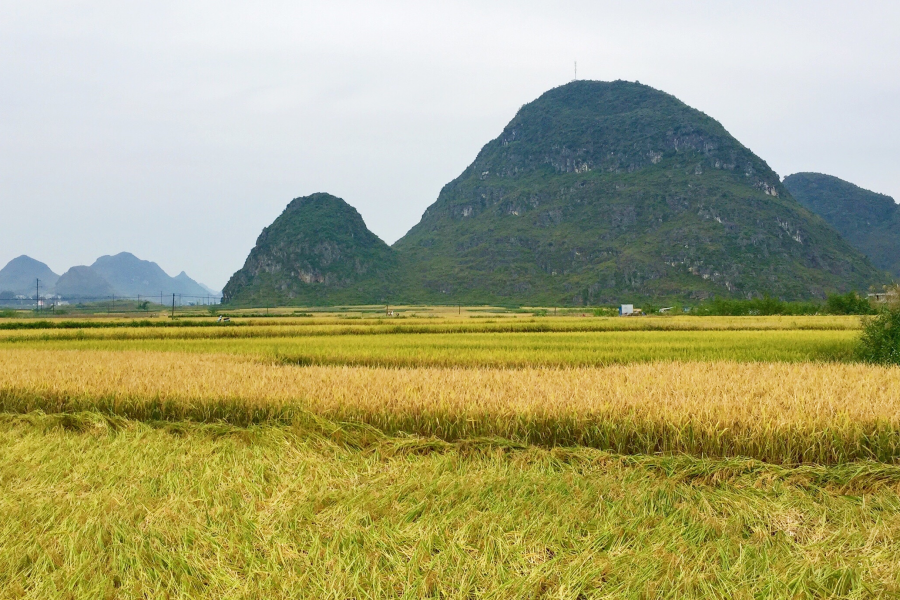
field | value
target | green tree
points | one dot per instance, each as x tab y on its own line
880	341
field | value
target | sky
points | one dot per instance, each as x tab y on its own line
178	130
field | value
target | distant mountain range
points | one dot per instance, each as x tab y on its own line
596	192
870	222
21	275
122	275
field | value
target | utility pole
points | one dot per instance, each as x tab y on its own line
173	305
37	295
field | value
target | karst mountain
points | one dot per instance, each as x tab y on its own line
594	193
869	221
121	275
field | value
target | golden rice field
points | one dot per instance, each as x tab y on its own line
786	413
112	508
448	457
12	330
471	343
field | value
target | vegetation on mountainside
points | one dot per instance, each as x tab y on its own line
870	222
317	252
597	192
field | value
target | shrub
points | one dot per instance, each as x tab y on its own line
765	306
880	341
848	304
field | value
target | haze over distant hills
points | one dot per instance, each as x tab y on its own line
594	193
83	282
122	275
131	276
20	275
867	220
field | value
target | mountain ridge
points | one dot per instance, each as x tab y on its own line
868	220
132	276
122	275
20	275
593	193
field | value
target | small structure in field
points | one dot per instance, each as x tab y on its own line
626	310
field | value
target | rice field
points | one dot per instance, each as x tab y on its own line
447	456
97	508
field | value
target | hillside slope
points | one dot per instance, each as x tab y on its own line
601	192
870	222
318	251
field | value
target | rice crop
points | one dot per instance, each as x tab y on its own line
777	412
113	329
96	507
502	350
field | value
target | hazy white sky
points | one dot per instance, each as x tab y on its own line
178	130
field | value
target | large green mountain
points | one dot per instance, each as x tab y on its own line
869	221
318	251
599	192
594	193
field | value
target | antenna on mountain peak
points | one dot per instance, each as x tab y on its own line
576	71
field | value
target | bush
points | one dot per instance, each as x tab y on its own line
848	304
7	314
765	306
880	341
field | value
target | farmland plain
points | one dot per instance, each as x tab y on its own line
447	456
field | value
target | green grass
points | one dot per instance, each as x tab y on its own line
95	507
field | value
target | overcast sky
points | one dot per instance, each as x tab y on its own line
178	130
